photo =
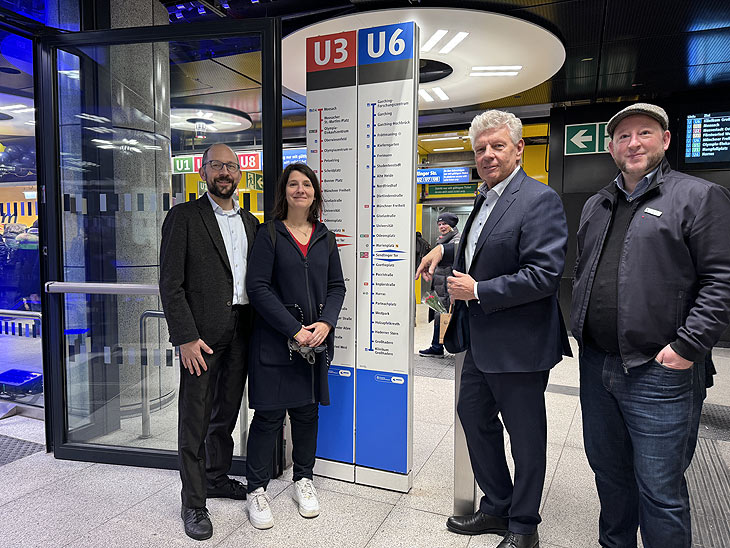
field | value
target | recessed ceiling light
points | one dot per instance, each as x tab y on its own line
499	67
455	41
102	141
431	42
12	107
440	138
495	73
440	94
30	122
230	123
30	109
425	96
587	59
447	149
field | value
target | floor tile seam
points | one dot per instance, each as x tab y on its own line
45	484
375	531
364	497
557	465
111	518
450	424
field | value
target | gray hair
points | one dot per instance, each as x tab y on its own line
492	119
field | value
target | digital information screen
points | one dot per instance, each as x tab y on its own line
443	175
708	138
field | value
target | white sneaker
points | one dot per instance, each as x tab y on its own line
306	496
259	511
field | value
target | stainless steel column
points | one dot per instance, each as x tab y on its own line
464	485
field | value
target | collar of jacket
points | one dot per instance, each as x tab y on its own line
610	191
319	229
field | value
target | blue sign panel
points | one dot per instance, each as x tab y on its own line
386	43
293	155
382	421
442	175
335	439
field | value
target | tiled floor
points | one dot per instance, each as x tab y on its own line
49	502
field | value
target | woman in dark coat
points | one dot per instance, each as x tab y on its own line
296	286
448	234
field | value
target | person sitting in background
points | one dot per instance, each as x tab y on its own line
448	234
296	286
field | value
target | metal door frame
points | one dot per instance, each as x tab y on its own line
45	48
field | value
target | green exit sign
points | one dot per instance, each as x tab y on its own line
586	139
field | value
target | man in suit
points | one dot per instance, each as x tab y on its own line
203	258
506	316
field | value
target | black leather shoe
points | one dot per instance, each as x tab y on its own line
513	540
197	523
230	489
477	524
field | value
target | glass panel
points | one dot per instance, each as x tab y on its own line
125	113
21	370
60	14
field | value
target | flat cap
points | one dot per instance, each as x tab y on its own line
646	109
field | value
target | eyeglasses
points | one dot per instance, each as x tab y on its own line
215	165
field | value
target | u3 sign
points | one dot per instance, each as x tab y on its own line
331	51
387	43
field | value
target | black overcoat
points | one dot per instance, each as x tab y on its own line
289	290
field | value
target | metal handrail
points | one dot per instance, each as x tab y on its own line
21	314
144	388
144	370
97	288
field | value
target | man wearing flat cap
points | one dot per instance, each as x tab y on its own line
651	297
448	233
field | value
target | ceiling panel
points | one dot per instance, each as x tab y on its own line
631	19
576	22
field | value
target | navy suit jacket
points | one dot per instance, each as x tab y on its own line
516	325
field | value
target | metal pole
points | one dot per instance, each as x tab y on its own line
144	370
464	485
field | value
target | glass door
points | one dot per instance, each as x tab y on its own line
133	111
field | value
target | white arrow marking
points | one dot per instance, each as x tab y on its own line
579	138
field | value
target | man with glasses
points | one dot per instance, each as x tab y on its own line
203	259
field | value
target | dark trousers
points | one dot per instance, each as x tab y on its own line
208	408
520	398
266	428
436	332
640	431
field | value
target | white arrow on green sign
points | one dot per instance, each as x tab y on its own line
586	139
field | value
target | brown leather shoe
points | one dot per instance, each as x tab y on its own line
515	540
476	524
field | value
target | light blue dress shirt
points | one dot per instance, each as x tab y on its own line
234	237
640	187
490	198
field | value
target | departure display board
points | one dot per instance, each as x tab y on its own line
707	138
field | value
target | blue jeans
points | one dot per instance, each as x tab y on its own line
640	431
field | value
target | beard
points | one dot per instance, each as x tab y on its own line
652	160
216	191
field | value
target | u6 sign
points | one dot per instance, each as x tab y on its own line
586	139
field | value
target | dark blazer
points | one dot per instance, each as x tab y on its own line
516	326
287	291
196	281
